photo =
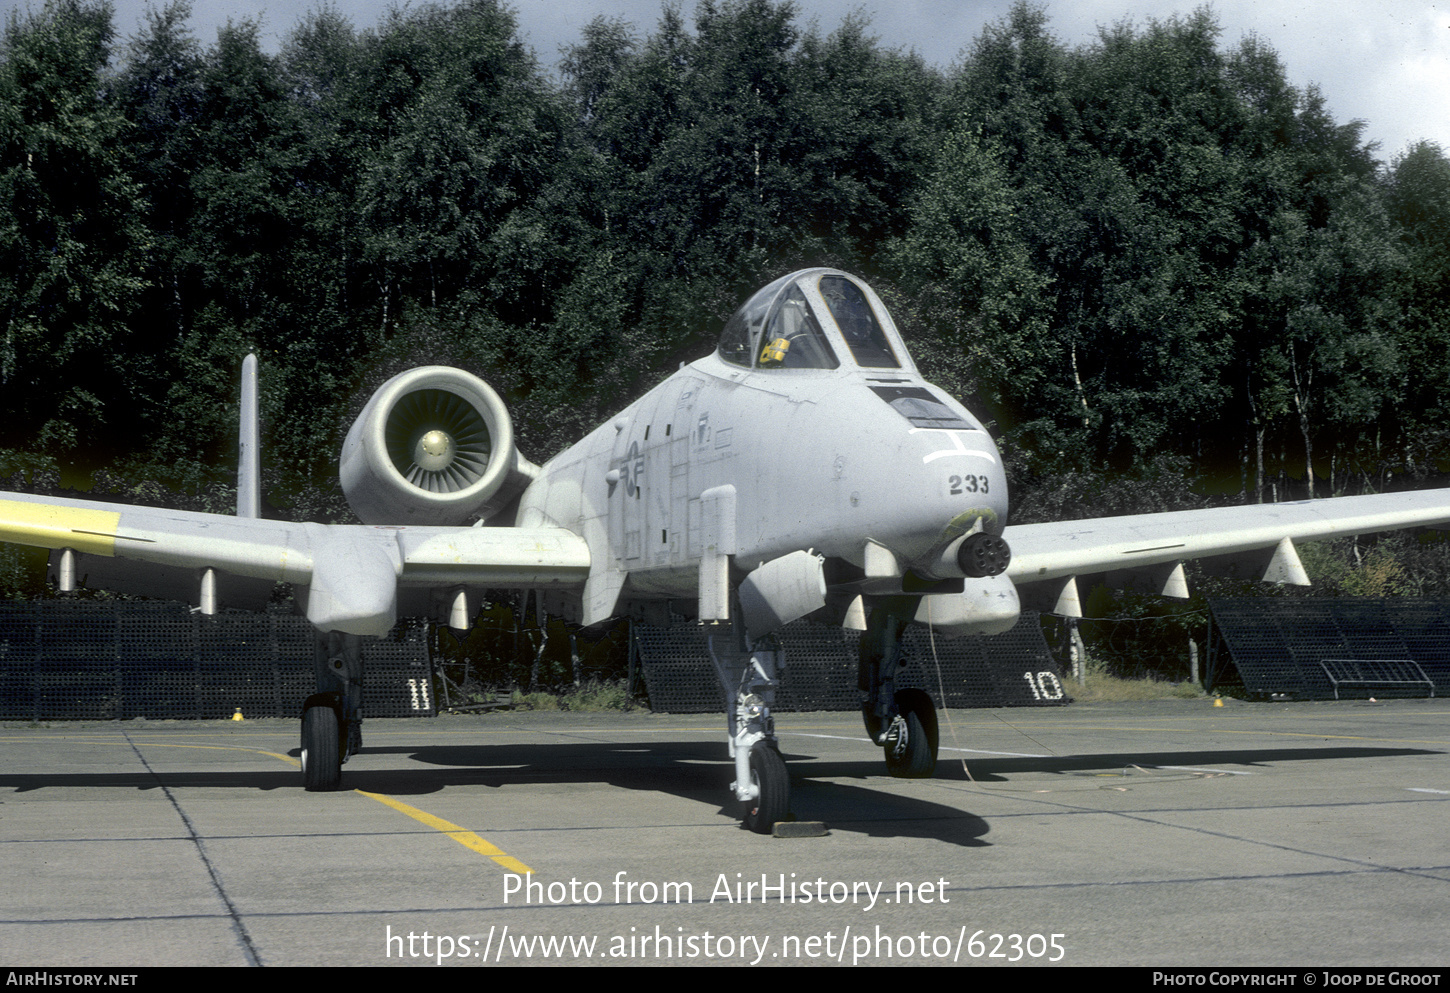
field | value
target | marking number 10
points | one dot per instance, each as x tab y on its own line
1045	685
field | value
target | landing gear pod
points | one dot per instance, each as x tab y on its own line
781	591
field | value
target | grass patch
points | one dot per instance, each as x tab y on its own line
1105	688
533	701
598	696
591	697
595	696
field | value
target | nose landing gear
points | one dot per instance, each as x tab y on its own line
902	722
910	741
332	717
747	675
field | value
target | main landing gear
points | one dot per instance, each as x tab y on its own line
771	783
332	717
747	675
902	722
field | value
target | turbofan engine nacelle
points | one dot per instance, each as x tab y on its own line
435	446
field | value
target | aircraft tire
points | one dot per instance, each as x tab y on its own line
768	772
321	760
922	737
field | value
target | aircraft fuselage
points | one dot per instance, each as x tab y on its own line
828	459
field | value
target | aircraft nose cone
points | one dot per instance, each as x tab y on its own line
434	450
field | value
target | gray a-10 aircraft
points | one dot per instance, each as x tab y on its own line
805	467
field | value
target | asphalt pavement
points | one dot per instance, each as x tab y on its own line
1171	833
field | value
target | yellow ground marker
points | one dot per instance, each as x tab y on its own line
463	836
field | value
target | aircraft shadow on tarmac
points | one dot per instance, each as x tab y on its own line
697	770
986	768
691	770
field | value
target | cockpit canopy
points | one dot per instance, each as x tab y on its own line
807	320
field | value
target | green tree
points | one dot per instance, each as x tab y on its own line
1417	197
971	290
72	245
715	160
464	134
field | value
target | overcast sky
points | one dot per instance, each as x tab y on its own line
1384	61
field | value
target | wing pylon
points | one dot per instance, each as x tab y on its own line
350	573
1147	552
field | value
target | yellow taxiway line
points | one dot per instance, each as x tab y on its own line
463	836
466	838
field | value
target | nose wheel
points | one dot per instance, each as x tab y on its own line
903	723
747	675
321	749
910	738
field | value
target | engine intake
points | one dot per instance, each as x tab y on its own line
433	446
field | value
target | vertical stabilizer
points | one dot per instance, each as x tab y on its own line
249	470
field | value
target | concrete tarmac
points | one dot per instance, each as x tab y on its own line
1164	833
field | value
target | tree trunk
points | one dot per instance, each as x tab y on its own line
1077	381
1301	404
1308	455
1259	466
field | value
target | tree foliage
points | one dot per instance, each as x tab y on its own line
1150	255
73	238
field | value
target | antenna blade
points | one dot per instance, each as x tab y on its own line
249	472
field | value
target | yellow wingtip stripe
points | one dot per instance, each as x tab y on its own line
43	525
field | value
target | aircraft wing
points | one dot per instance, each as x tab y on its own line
352	572
1146	552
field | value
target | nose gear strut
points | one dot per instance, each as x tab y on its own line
747	672
902	722
896	739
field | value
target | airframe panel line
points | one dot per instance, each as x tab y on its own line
47	526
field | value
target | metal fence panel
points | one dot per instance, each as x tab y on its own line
1280	646
1014	669
108	661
